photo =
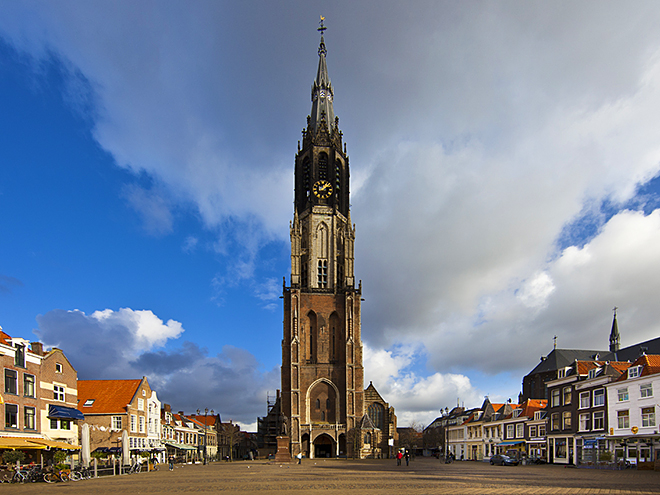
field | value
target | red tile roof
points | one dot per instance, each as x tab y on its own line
5	338
110	396
650	364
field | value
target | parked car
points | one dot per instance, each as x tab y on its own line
503	460
536	460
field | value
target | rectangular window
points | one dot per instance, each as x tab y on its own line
520	430
58	368
634	371
585	401
623	419
646	390
555	398
141	424
323	273
53	424
58	393
19	356
554	422
29	415
116	423
623	394
599	397
599	420
532	431
140	404
648	416
566	420
11	416
133	423
65	424
542	431
11	382
28	385
509	431
585	422
567	395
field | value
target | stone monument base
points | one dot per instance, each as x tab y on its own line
283	454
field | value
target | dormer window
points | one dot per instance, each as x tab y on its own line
516	413
634	371
563	372
593	373
538	415
89	402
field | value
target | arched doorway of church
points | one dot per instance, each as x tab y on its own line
324	446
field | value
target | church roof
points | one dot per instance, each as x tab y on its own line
366	423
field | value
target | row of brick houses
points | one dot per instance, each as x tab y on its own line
38	401
45	407
597	412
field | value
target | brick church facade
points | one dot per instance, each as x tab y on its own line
323	396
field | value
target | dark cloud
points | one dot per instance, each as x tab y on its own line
111	345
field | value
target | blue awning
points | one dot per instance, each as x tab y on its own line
511	443
62	412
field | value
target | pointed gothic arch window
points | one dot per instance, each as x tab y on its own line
318	403
376	413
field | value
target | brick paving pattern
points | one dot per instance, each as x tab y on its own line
423	476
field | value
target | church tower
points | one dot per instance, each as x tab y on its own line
322	373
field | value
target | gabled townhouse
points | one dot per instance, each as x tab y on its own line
592	420
207	437
494	434
565	440
37	400
633	410
184	443
112	407
58	385
456	431
537	441
515	428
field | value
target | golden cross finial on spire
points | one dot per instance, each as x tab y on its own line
615	308
322	27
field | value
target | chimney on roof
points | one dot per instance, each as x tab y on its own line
37	348
181	413
167	408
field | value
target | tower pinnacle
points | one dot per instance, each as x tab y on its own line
322	93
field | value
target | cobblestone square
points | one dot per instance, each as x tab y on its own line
423	476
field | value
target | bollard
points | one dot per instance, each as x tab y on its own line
114	466
96	472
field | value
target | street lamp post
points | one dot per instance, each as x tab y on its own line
206	412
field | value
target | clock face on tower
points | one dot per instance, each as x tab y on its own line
322	189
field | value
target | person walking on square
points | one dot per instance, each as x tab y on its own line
171	461
299	457
407	458
399	455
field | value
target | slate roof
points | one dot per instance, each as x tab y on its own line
110	396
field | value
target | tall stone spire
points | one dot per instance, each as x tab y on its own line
614	335
322	94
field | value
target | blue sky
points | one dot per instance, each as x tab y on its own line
504	163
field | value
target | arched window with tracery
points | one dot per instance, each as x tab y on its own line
377	415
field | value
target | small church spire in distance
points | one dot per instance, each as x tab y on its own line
614	334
